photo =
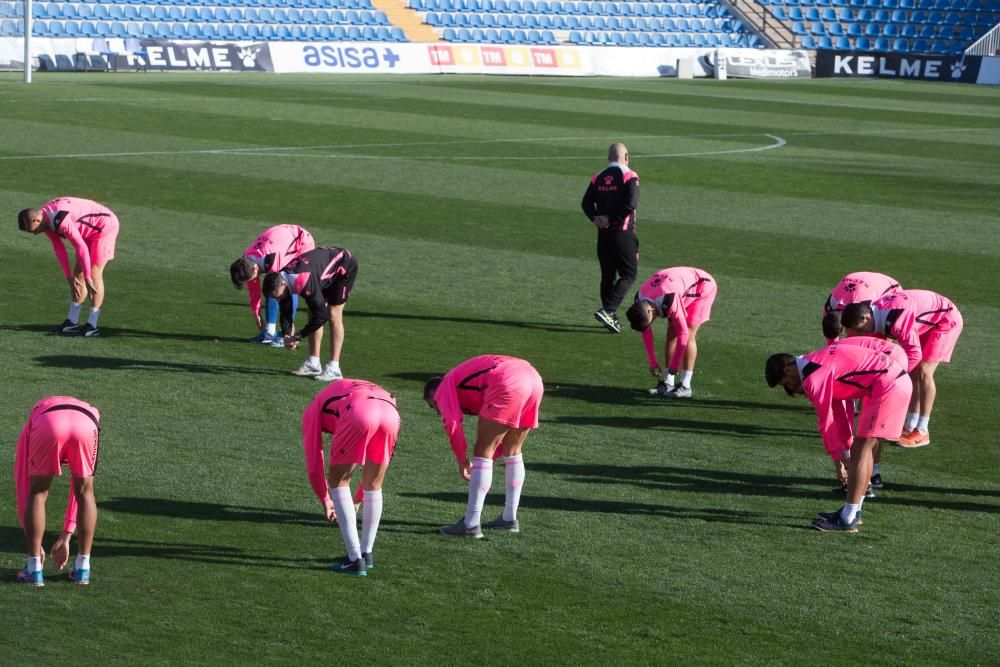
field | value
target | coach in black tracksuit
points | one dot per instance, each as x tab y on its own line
610	203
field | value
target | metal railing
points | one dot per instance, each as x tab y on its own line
773	32
987	45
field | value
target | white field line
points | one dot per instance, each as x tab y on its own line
265	150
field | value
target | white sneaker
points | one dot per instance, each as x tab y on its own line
330	373
307	369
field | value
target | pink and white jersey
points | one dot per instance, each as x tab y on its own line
322	415
463	391
860	287
909	315
835	376
81	222
673	292
45	409
272	251
888	348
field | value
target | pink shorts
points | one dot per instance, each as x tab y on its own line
102	247
937	344
513	395
884	412
700	310
366	434
63	437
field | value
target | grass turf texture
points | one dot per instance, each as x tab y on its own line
652	533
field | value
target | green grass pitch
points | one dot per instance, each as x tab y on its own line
652	533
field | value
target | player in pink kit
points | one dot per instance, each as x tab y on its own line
364	422
92	230
858	287
505	393
684	296
269	253
61	430
830	378
927	326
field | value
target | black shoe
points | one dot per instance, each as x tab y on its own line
369	560
842	490
67	328
88	330
609	320
877	482
831	516
353	567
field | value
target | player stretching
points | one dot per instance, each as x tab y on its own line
506	393
61	430
91	229
684	296
830	378
272	250
858	287
927	326
364	422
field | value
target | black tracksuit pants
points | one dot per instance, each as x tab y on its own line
618	254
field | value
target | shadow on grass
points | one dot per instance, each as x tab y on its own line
673	425
721	482
633	396
539	326
599	506
115	332
186	509
122	364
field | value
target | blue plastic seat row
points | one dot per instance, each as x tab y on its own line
491	36
531	22
849	15
284	4
584	7
940	5
661	39
53	10
899	45
219	31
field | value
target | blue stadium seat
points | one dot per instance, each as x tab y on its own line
836	30
901	45
825	43
921	46
842	44
863	44
808	43
881	44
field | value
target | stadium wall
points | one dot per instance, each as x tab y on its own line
418	58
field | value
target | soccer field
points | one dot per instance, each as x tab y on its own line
652	532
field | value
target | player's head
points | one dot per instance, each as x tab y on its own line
30	220
641	314
857	319
618	152
430	388
832	327
274	285
780	369
242	271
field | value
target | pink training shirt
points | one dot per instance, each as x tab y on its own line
321	417
834	376
671	291
888	348
909	314
78	221
859	287
282	243
22	480
461	393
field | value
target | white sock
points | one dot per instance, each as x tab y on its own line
371	514
83	562
94	314
347	519
875	467
911	421
272	329
34	564
74	312
922	424
849	511
514	480
668	379
333	365
686	378
479	486
313	361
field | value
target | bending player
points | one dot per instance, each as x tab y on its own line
363	420
270	252
684	296
92	230
324	277
858	287
506	393
927	326
830	378
61	430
